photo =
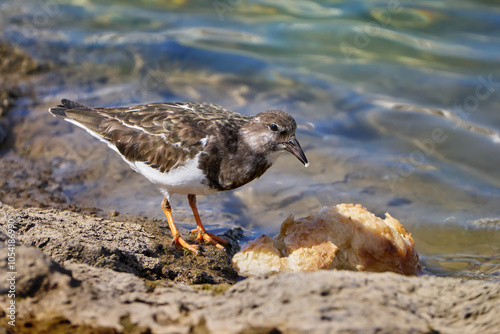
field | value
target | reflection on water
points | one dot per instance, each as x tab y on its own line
398	100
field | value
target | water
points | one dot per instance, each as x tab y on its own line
398	103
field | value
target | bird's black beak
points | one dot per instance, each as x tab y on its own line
293	147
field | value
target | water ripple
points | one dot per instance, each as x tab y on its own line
457	121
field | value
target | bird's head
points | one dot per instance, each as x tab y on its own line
273	132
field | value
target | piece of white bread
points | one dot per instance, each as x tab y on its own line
345	236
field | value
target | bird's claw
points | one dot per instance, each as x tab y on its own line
178	241
204	236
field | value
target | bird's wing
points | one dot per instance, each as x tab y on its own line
160	134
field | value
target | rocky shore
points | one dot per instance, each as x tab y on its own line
70	269
82	273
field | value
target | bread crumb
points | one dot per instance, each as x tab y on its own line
345	236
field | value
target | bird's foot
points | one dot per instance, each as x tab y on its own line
178	241
203	235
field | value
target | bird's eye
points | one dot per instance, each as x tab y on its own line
273	127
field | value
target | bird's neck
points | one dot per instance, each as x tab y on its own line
243	161
250	160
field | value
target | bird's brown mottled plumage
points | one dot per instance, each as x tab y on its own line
159	134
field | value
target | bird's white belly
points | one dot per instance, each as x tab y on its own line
185	179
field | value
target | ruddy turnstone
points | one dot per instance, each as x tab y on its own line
189	148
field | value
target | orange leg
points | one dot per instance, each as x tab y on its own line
203	235
167	209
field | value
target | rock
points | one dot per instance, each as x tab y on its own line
13	60
3	135
102	300
141	248
27	183
80	273
34	272
14	64
345	236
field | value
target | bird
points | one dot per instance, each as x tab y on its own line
190	148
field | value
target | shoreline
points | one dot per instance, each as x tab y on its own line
68	268
83	272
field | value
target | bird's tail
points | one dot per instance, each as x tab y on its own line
85	117
60	110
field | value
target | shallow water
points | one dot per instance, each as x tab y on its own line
398	103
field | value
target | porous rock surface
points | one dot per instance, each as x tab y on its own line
86	294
